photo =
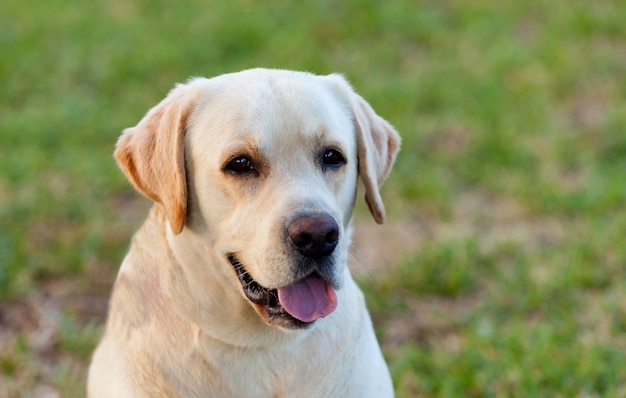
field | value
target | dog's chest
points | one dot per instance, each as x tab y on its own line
297	371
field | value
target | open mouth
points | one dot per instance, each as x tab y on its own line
295	306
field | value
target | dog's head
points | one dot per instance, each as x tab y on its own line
262	165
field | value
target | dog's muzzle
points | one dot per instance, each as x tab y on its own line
301	303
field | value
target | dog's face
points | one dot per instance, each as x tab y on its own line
274	168
263	165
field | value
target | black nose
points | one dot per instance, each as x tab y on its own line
314	236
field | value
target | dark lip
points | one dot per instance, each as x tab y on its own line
265	297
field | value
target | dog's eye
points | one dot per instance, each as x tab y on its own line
333	158
239	165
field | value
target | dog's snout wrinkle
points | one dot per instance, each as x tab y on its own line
314	236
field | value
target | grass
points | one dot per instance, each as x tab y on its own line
513	167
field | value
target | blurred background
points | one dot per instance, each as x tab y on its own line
501	271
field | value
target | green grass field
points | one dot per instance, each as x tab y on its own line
505	270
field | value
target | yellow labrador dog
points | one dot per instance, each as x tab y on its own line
237	285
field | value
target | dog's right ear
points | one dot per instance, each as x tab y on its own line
151	154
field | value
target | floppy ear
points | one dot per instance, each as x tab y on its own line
378	144
151	154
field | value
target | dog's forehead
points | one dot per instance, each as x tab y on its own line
275	109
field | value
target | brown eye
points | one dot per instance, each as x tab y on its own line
333	158
240	165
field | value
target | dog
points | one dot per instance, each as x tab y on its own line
237	283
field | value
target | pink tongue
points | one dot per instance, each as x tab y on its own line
308	299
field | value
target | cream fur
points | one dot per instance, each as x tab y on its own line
179	323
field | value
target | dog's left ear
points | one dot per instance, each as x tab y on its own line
378	144
151	154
